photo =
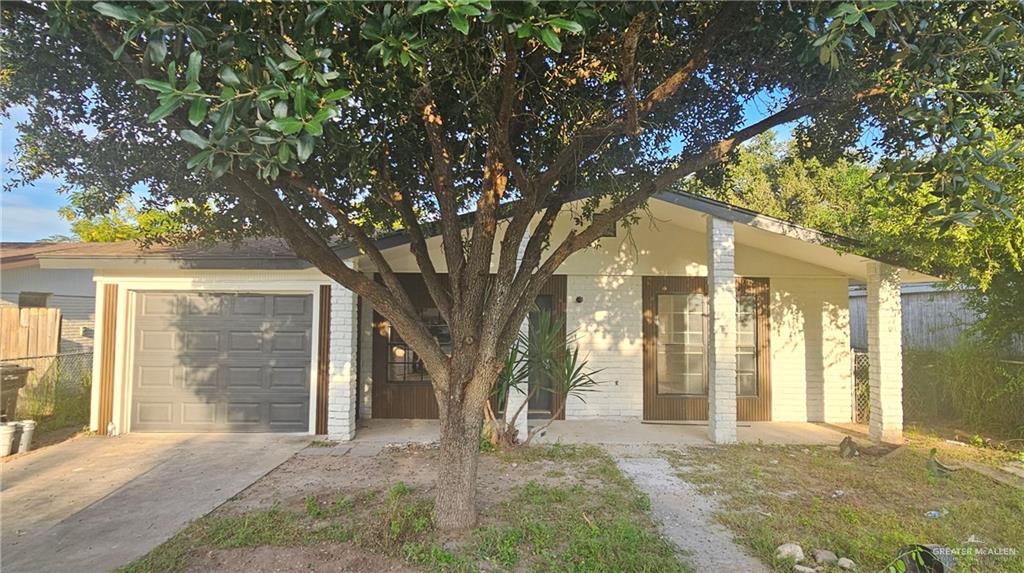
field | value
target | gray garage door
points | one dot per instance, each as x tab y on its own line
221	362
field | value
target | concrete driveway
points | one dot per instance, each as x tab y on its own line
94	504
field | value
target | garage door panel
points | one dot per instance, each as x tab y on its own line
244	305
222	362
158	304
153	340
201	304
202	341
245	341
244	412
288	377
289	341
155	376
285	413
291	306
155	412
200	377
198	413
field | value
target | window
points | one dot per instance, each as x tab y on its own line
33	299
404	365
746	345
680	322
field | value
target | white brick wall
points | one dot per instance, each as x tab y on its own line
722	331
810	347
341	406
608	325
885	352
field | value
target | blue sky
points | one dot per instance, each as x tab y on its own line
30	213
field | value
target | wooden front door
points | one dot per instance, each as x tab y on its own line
675	331
401	387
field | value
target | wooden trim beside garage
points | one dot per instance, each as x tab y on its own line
108	347
323	359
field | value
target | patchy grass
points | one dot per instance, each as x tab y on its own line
776	494
591	519
323	444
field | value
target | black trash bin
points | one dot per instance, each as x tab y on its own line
12	379
927	559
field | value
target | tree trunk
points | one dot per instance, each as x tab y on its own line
455	506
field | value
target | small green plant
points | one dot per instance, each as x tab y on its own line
341	505
323	444
313	509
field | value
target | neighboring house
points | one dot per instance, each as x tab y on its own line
697	303
24	284
935	316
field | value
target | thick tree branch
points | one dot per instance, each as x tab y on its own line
444	189
392	195
628	70
530	283
589	140
392	303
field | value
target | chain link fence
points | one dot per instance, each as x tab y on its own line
56	393
861	387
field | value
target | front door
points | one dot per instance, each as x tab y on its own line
550	301
401	387
675	330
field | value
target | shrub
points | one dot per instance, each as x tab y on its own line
970	383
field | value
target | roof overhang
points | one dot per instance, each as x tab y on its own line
754	229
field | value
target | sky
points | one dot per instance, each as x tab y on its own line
30	213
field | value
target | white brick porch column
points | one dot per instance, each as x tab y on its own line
342	376
722	331
885	352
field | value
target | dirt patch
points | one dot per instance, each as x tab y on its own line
546	508
329	477
326	558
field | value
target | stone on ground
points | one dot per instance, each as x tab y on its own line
790	551
803	569
825	557
846	564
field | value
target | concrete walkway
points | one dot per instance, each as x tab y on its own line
685	515
94	504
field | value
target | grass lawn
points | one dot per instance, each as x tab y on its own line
776	494
573	511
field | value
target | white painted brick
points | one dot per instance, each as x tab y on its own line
608	327
885	352
810	350
722	331
342	377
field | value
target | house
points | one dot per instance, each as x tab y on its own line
23	284
700	312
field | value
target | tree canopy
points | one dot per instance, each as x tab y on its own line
984	255
330	121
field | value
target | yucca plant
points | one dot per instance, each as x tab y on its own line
542	349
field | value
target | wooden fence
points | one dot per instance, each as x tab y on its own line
26	332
